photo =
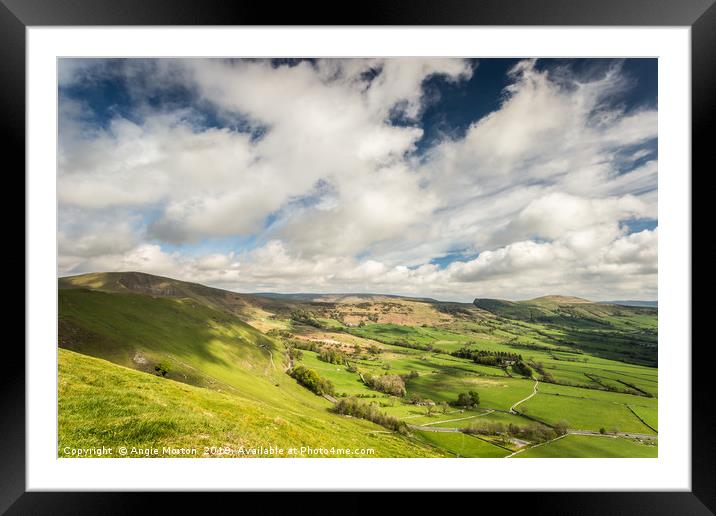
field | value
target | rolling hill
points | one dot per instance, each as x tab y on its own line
627	333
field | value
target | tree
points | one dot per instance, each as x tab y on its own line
429	407
305	317
463	399
561	427
332	356
445	406
162	368
311	380
388	383
468	399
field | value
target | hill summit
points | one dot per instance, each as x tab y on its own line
563	300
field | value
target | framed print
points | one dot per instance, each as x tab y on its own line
425	249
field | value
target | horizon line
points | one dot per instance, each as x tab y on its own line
304	293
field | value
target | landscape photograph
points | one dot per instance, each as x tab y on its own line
395	257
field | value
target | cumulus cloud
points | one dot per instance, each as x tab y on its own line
317	165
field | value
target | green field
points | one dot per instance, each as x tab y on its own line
462	445
582	446
345	382
648	415
228	381
583	413
495	392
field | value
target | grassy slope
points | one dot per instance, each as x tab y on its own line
102	404
205	348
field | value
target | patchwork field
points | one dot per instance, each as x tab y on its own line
182	364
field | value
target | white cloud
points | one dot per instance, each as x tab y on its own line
335	197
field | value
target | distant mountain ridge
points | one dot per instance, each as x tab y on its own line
332	296
650	304
162	286
559	308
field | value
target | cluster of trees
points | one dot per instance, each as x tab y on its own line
332	356
491	358
369	411
295	354
546	375
392	384
311	380
486	428
521	368
411	345
275	332
305	317
414	399
468	399
534	432
431	406
306	345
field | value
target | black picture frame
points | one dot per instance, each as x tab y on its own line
700	15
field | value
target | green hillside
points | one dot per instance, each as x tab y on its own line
202	347
627	333
158	286
102	404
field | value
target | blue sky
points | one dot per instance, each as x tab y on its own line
447	178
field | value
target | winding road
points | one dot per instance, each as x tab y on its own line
534	391
490	411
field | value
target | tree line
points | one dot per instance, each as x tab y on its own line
485	357
533	432
355	408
